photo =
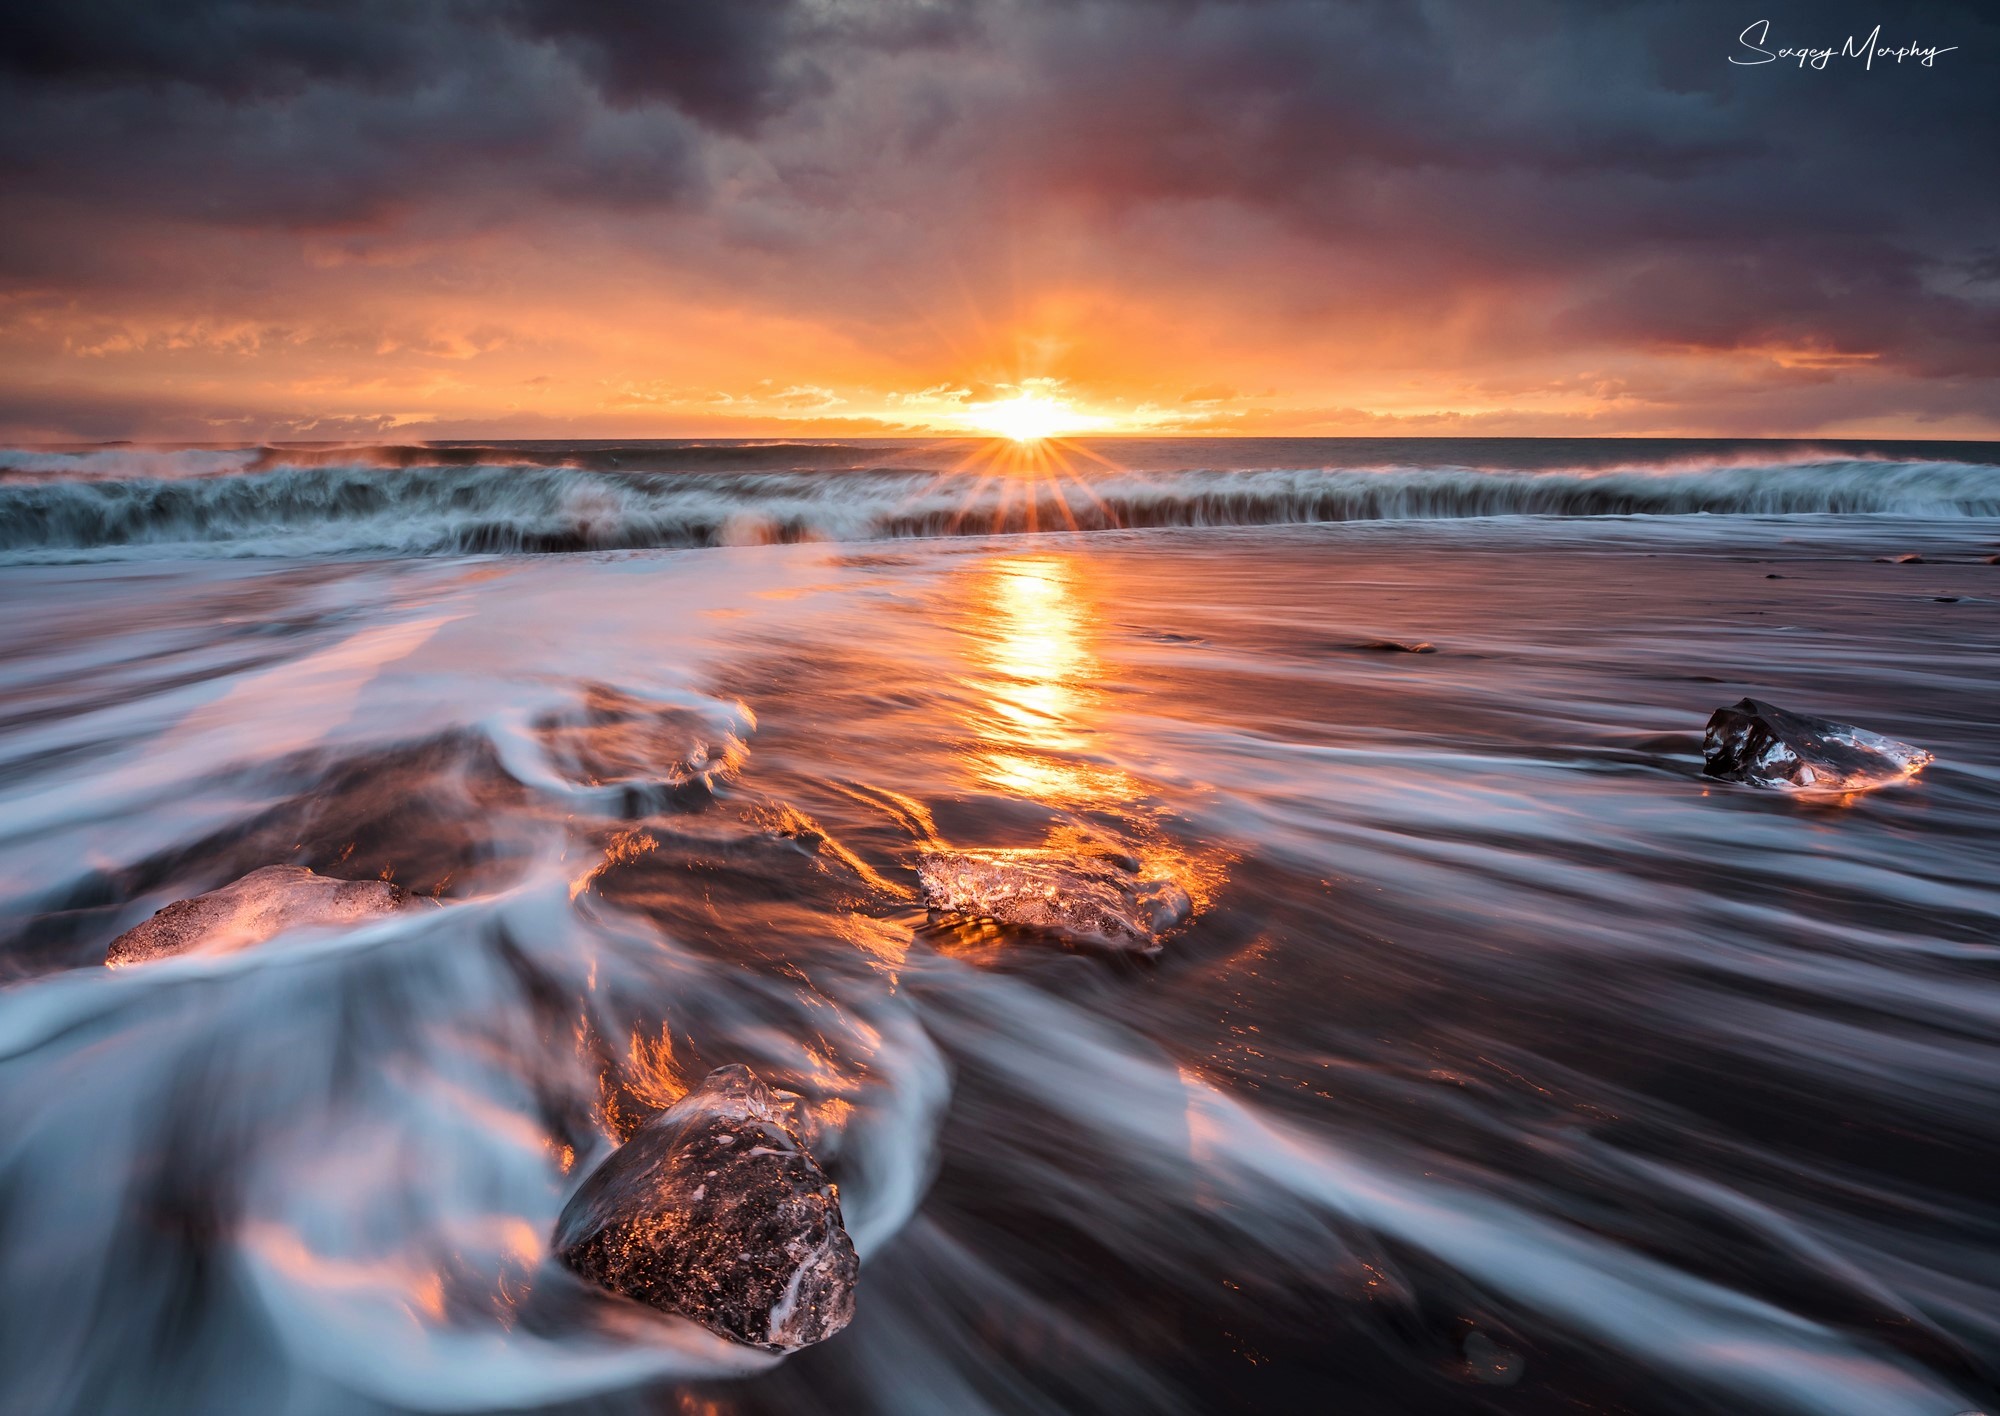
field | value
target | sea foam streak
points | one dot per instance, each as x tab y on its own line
120	504
1496	1039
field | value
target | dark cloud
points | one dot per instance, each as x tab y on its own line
1822	302
731	64
1587	175
255	135
728	63
324	112
1608	147
240	50
1274	100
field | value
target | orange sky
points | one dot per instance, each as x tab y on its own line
1225	226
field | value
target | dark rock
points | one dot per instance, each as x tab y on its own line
1773	575
1766	746
1101	897
1398	646
1946	599
715	1209
1164	636
262	904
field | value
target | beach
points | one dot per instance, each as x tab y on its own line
1499	1059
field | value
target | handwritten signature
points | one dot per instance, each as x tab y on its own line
1868	50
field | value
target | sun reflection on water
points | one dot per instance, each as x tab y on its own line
1039	673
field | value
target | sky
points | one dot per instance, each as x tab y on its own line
407	219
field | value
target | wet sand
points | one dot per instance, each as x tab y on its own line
1506	1063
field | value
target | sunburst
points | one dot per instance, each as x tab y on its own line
1028	417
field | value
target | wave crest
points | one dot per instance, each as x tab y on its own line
118	504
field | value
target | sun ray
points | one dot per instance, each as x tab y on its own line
993	470
1030	416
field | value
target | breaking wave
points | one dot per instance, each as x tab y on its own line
105	503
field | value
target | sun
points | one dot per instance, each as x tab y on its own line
1030	417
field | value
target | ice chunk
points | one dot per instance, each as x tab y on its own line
1106	899
716	1210
1766	746
642	757
262	904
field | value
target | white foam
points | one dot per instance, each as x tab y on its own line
118	504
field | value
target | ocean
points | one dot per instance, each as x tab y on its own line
1502	1061
453	499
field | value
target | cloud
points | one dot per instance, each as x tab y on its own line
1341	200
728	64
240	51
1606	150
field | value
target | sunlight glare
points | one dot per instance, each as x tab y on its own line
1029	417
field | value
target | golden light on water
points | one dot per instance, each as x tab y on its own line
1038	677
1039	645
1042	655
